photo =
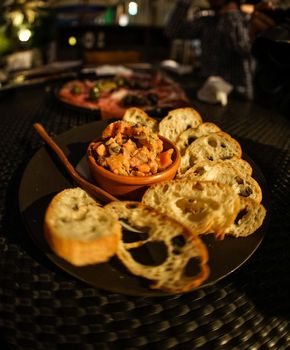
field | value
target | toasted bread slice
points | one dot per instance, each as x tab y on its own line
138	116
177	121
188	136
202	206
225	173
248	220
215	146
79	230
180	246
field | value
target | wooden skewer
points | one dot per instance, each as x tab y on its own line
93	190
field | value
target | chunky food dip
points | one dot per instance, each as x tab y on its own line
132	150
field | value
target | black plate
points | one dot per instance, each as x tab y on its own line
45	176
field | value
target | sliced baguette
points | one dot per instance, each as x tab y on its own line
240	165
177	121
222	172
180	244
202	206
79	230
216	146
138	116
250	217
191	134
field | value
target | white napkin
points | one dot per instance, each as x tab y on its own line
215	90
176	67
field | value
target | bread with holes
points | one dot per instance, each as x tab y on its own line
138	116
180	246
223	172
177	121
188	136
216	146
240	165
203	206
249	219
79	230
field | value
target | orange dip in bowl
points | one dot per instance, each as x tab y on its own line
123	171
131	150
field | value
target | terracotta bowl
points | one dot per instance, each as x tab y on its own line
131	187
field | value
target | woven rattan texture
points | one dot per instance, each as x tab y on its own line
43	308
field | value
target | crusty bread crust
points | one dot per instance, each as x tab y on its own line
202	206
138	116
80	253
248	220
79	230
180	243
177	121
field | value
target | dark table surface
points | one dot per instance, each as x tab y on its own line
43	308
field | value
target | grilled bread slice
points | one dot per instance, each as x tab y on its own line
79	230
225	173
216	146
202	206
138	116
177	121
188	136
180	245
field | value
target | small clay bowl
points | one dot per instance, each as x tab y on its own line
131	187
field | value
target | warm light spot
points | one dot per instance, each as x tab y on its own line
19	78
247	8
72	40
133	8
24	34
123	20
17	18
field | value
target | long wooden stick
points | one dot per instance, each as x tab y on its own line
93	190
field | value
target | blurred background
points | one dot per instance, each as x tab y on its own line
40	37
95	31
40	32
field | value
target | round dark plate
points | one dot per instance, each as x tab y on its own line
44	176
154	111
91	111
